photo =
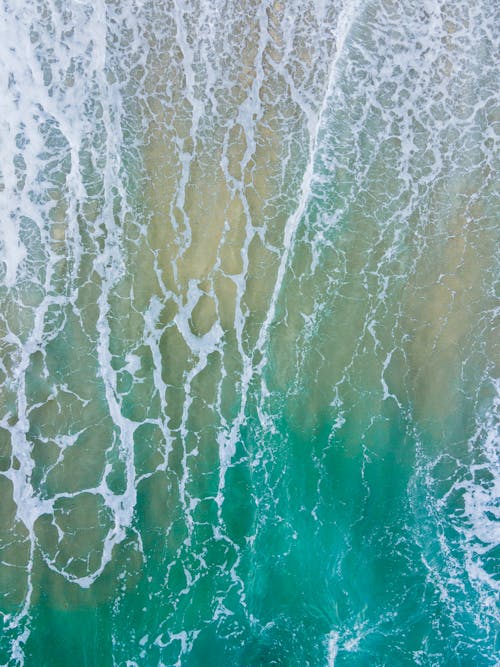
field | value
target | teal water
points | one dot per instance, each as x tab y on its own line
249	364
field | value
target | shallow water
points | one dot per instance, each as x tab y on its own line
249	366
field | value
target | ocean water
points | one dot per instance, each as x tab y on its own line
249	364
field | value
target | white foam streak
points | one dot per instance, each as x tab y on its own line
333	639
345	21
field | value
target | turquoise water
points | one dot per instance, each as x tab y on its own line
249	365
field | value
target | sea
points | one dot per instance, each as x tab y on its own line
249	342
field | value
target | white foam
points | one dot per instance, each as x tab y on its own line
333	647
481	529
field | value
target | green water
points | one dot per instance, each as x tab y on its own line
249	367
